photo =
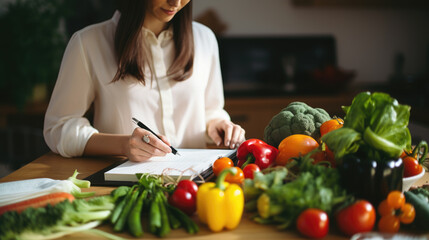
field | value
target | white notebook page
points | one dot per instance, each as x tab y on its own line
198	160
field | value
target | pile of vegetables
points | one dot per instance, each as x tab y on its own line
44	208
52	215
296	177
280	196
147	200
372	138
55	220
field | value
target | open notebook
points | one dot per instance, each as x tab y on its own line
191	163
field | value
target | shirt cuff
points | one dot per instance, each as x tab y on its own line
74	136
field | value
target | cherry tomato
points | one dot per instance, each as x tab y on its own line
408	213
331	125
389	224
405	154
357	218
183	200
325	156
319	156
238	178
221	164
395	199
394	211
330	157
249	169
313	223
411	166
384	209
294	146
189	186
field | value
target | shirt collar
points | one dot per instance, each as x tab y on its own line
166	34
116	17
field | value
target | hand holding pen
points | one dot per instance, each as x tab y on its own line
143	145
147	137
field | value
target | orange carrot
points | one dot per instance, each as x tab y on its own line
42	201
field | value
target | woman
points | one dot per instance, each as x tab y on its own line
151	62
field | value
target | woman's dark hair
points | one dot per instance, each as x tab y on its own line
129	48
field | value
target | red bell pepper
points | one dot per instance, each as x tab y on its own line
256	151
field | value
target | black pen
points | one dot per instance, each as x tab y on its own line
140	124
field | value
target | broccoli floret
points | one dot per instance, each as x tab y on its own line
296	118
12	224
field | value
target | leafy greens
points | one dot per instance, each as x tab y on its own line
278	197
375	126
55	221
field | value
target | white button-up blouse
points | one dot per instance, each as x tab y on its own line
178	110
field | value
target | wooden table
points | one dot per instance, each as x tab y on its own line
54	166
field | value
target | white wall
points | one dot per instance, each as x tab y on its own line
367	39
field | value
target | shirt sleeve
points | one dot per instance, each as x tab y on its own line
214	97
214	91
66	131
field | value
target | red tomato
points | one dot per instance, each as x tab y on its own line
238	178
405	154
357	218
325	156
319	156
249	169
183	200
221	164
411	166
189	186
313	223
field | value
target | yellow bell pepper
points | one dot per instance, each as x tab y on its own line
220	204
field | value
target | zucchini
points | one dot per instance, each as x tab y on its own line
422	210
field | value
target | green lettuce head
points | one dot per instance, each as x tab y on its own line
375	126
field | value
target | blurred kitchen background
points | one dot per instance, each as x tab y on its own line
273	52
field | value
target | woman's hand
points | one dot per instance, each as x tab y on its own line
226	132
143	145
